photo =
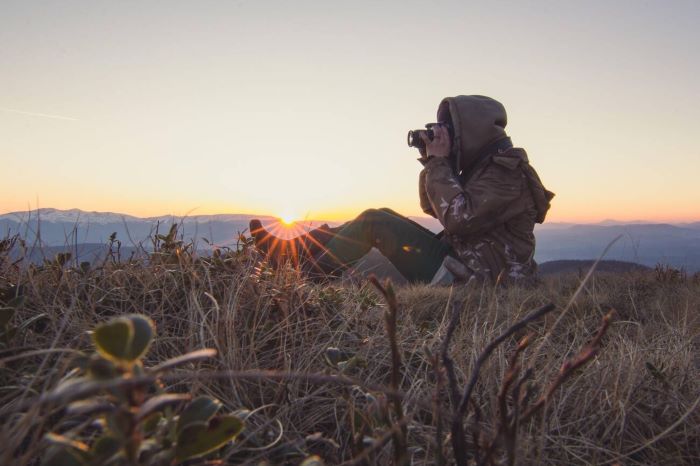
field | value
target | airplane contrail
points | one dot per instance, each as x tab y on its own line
44	115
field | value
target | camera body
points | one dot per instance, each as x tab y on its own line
414	136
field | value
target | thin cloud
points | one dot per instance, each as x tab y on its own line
43	115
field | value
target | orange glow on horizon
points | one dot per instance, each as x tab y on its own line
291	224
567	209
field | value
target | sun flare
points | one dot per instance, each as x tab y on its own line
287	220
286	227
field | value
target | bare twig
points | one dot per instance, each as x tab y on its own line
570	366
437	412
400	443
377	444
507	427
444	354
458	443
516	397
492	346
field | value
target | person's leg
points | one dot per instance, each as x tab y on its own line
416	224
414	250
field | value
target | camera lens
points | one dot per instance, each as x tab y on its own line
414	139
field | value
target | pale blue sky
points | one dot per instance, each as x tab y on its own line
302	107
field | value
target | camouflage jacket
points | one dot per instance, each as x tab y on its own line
489	216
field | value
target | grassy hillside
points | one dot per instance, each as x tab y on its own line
582	266
312	362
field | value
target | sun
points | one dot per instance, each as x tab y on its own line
288	218
287	225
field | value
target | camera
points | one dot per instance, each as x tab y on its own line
414	139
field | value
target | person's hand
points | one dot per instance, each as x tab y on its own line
423	153
441	144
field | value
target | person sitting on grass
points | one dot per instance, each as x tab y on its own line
483	191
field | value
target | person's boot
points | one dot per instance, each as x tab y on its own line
268	244
263	239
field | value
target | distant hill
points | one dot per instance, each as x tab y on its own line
640	242
430	223
375	263
646	244
61	227
695	225
677	245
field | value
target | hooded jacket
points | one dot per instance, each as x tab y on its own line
486	194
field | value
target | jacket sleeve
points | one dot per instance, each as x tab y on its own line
480	205
423	195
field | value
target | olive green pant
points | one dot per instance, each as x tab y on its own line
415	251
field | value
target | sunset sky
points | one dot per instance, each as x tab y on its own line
300	108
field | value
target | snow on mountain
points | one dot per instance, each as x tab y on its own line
612	222
76	216
54	227
191	219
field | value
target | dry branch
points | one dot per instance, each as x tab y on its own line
570	366
458	438
400	443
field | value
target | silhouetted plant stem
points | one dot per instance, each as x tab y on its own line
437	411
458	438
400	443
570	366
444	354
505	434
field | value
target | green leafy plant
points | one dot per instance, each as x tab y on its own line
119	414
168	248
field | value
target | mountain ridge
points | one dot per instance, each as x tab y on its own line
649	244
52	214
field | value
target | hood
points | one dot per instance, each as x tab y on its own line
477	121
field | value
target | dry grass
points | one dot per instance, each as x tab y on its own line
635	403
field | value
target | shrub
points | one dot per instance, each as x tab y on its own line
118	414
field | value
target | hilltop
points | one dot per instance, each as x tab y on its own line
308	365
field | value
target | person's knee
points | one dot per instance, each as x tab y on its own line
390	211
381	216
371	214
375	221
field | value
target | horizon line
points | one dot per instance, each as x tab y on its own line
553	222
